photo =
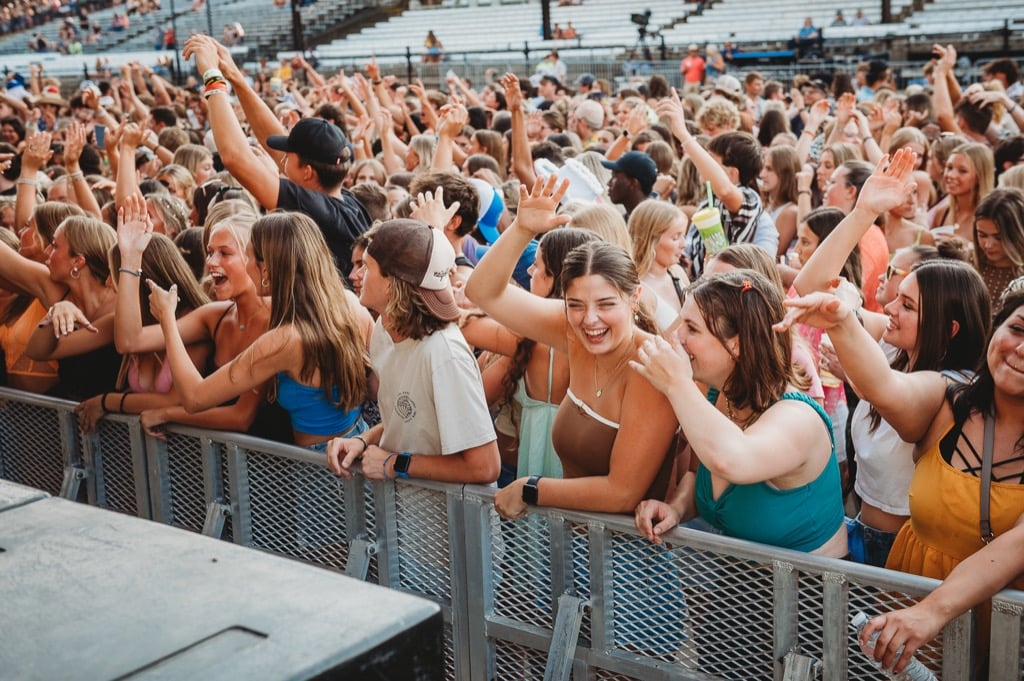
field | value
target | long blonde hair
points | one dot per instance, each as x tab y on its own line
306	292
648	221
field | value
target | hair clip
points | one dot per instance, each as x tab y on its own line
746	286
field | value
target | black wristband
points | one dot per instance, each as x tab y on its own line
530	490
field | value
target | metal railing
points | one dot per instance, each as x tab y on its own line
556	595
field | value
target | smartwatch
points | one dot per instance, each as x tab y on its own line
530	490
402	462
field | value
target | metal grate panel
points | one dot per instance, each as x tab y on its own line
115	454
873	601
422	518
185	475
513	661
728	604
523	593
31	451
297	510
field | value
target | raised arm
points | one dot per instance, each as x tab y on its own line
453	120
942	98
238	158
274	351
886	189
522	163
127	177
134	232
728	193
779	442
489	286
908	402
74	143
36	155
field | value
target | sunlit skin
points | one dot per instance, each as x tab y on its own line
541	281
58	257
358	270
959	177
769	178
888	286
599	314
904	313
826	166
31	243
671	244
990	241
836	190
376	287
1005	355
806	242
204	171
712	361
226	265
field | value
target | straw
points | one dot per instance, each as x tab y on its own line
711	197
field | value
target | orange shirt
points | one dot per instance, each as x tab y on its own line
874	258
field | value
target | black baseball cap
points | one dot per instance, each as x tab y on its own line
637	165
316	140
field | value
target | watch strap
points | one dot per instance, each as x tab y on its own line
530	490
402	462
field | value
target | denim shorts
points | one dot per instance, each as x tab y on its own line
868	545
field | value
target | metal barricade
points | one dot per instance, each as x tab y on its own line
704	606
115	455
555	595
1006	650
39	443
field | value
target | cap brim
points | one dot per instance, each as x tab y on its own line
441	303
278	142
610	165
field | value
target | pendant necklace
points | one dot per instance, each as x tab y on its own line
599	390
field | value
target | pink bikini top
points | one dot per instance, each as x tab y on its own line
164	380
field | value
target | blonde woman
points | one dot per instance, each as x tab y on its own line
658	232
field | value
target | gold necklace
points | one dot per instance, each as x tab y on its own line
599	390
728	410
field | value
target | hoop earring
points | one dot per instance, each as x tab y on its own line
75	273
264	283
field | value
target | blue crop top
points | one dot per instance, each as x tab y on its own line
310	411
802	518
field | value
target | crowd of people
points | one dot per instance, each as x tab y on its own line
504	282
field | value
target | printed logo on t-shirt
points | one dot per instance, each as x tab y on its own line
405	407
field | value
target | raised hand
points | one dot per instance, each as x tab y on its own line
430	208
889	186
513	94
131	135
37	152
204	49
663	364
134	230
74	142
537	207
163	304
672	109
845	106
820	310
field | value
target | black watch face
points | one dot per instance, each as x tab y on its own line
402	463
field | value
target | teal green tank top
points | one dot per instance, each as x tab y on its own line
802	518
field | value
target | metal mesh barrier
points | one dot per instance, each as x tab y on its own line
184	481
297	509
702	606
118	463
33	450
